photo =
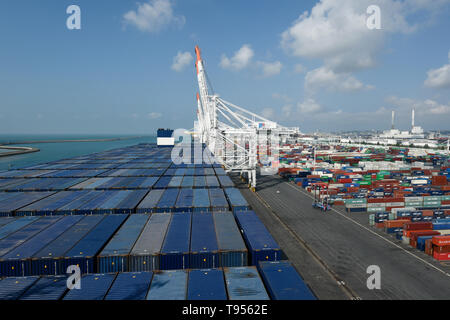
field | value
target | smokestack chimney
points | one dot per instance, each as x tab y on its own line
413	111
393	116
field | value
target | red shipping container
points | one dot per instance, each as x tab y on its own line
429	247
395	223
419	226
439	180
390	208
407	233
427	213
441	241
415	234
441	256
379	225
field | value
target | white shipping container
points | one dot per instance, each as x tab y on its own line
363	205
395	204
376	205
412	199
405	209
419	181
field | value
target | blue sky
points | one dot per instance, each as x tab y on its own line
323	70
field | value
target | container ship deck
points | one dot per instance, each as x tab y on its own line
137	226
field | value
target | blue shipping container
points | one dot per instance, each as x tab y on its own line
175	249
261	245
206	284
283	282
130	286
204	249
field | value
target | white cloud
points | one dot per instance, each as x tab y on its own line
439	78
154	115
153	16
240	60
298	68
308	106
270	68
181	60
325	78
336	33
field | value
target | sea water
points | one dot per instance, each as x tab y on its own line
63	150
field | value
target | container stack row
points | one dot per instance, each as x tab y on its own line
269	280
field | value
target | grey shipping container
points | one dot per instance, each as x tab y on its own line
168	285
114	257
150	201
244	283
232	249
146	251
212	182
218	200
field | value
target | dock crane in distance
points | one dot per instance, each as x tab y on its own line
233	134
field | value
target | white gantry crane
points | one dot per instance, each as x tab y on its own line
240	140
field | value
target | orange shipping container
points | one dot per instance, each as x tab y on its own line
395	223
408	233
427	213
